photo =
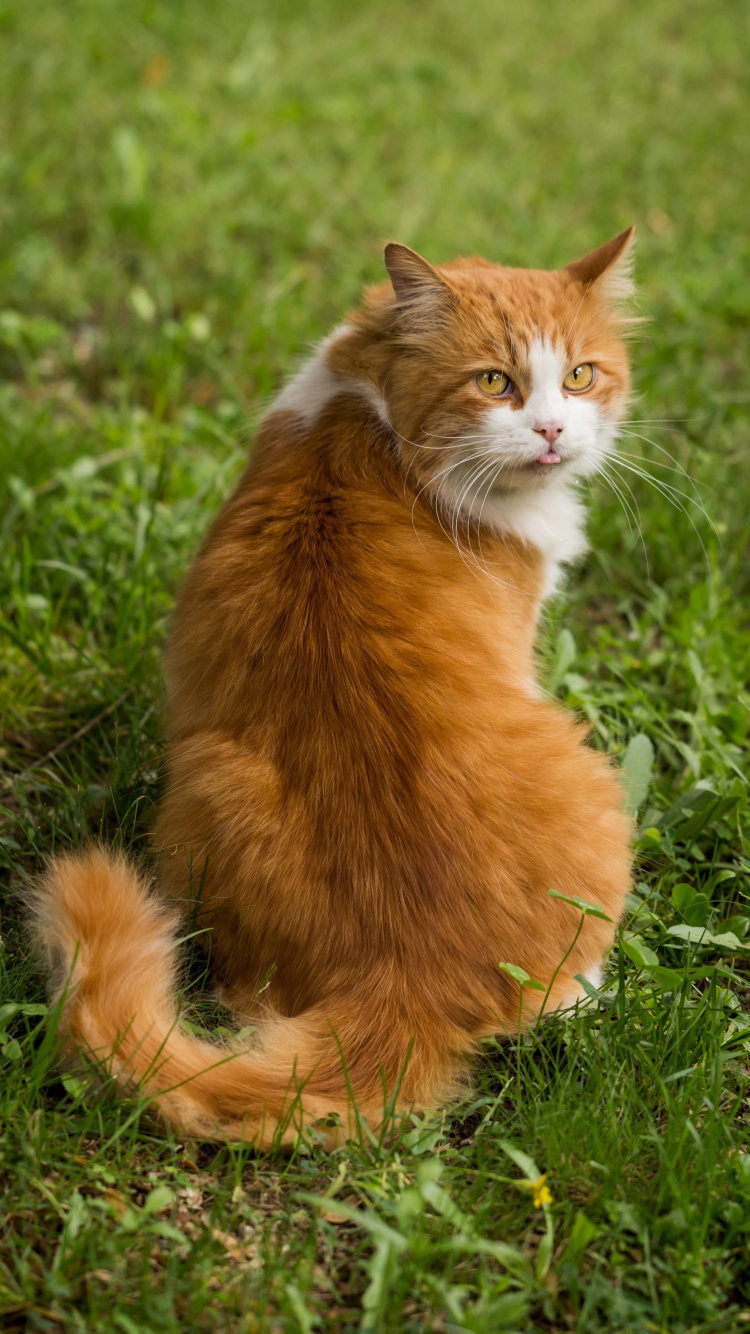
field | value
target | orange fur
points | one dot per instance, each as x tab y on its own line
363	778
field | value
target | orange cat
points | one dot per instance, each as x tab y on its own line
367	789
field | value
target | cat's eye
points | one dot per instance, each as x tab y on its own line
494	383
582	377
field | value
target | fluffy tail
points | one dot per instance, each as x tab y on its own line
111	949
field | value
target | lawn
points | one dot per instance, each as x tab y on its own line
191	194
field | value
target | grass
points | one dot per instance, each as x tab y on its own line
189	195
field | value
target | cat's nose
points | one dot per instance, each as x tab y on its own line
550	430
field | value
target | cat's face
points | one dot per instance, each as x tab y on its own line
506	379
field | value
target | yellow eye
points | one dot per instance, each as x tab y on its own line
580	378
493	383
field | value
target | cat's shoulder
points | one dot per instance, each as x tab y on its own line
315	383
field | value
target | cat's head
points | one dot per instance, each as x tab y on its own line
502	378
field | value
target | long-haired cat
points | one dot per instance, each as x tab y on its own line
367	789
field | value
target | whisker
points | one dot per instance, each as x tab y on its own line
443	473
665	487
453	535
492	468
636	435
628	512
669	493
474	477
666	467
474	481
493	478
481	562
626	509
482	455
463	438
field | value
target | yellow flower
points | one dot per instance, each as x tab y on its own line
542	1194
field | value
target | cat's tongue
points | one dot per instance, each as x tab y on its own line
551	457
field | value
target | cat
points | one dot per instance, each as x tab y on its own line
367	789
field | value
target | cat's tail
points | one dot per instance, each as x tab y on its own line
111	949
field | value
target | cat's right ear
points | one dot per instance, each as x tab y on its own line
610	265
420	290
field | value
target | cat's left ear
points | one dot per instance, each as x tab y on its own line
610	264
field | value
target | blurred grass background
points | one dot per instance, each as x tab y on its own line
247	163
190	195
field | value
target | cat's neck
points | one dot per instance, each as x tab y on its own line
550	518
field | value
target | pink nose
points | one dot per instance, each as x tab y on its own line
550	430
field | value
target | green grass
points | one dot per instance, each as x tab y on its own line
191	193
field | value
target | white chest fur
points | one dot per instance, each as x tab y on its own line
551	518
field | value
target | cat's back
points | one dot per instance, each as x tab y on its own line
327	576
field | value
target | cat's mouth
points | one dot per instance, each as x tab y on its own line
544	465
